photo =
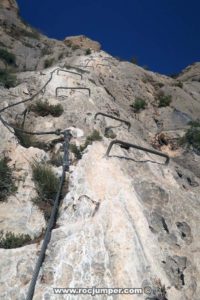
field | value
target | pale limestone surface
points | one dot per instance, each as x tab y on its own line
127	220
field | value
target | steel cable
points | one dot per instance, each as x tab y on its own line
51	222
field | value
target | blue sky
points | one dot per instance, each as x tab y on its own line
162	34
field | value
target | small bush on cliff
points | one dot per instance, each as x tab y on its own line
7	186
10	240
46	185
174	75
158	290
68	43
46	51
164	101
75	47
179	84
26	140
46	181
48	62
7	80
76	150
192	136
95	136
109	133
134	60
2	44
139	104
7	57
44	109
61	55
88	51
56	160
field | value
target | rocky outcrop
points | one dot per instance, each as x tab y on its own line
33	50
82	42
10	5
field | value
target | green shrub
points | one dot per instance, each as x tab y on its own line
95	136
158	290
26	140
7	57
46	181
139	104
7	186
56	160
88	51
179	84
46	51
192	136
2	44
18	32
47	185
75	47
134	60
195	124
7	80
160	84
68	43
44	109
174	75
164	101
109	133
48	62
60	56
76	150
10	240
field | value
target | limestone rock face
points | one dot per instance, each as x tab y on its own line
9	4
83	42
127	220
191	73
33	50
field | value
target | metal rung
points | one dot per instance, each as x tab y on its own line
81	66
76	68
128	145
103	65
108	58
72	88
87	61
60	70
115	118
